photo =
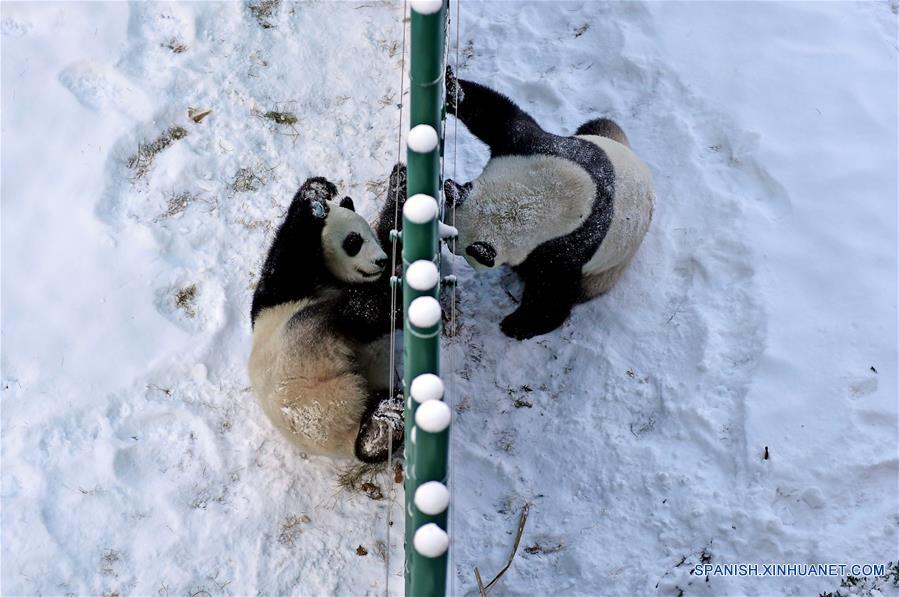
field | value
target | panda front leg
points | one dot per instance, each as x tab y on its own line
491	116
546	303
390	217
363	311
382	428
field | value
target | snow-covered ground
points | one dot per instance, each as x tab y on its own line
760	314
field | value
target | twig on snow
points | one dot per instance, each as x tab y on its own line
522	519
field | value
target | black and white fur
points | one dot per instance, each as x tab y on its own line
321	314
567	213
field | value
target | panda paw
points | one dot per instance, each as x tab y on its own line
318	189
454	93
381	431
521	326
396	189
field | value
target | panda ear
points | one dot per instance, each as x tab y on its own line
347	203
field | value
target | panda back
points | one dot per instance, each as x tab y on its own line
522	201
633	202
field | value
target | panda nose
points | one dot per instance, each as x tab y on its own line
381	261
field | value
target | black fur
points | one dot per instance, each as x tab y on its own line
359	448
454	193
392	212
485	253
295	266
552	271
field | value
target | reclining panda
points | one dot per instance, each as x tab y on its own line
321	314
567	213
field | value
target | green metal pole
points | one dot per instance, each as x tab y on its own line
427	417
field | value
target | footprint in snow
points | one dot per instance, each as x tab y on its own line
862	386
100	87
193	304
11	27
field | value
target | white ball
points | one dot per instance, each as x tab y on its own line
432	497
432	416
424	312
422	275
422	139
426	7
420	209
430	540
426	386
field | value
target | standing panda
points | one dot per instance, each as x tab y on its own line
321	314
567	213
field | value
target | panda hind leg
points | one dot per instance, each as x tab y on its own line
381	429
603	127
597	284
545	305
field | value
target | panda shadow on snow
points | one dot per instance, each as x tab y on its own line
566	213
321	316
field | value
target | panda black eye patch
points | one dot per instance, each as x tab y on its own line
352	244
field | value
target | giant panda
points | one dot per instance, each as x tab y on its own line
566	213
321	314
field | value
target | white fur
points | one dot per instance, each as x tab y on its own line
307	382
362	267
633	205
519	202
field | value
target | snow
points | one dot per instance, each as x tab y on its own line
446	232
422	139
433	416
424	312
420	209
759	314
426	386
430	540
422	275
432	497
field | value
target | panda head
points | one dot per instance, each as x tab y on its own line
481	231
350	248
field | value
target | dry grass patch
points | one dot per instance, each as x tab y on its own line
292	528
185	299
264	11
142	161
250	179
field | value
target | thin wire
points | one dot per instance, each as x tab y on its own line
452	371
392	358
